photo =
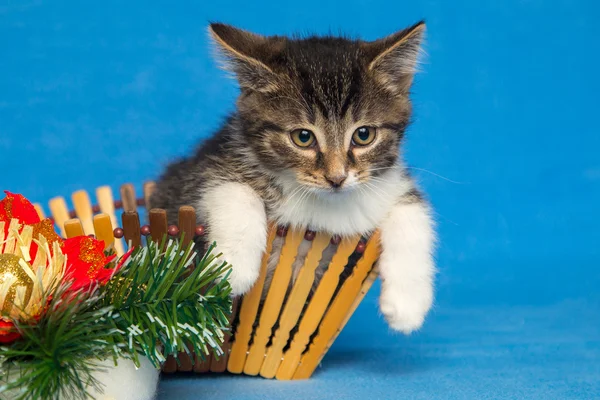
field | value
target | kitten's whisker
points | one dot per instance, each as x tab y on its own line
373	189
293	194
375	179
380	169
384	192
437	175
303	193
302	198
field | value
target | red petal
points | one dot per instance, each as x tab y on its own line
8	332
17	206
86	261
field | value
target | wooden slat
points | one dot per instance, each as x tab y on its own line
158	228
315	310
294	305
187	224
128	197
148	190
107	206
170	365
202	365
366	285
104	230
187	227
131	228
60	213
273	303
73	228
83	209
185	362
39	210
158	224
220	364
339	311
248	311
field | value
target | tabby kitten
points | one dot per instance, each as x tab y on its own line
314	144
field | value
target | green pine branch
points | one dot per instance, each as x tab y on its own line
155	296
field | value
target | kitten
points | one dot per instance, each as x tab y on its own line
314	144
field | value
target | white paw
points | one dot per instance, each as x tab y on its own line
244	273
405	311
237	223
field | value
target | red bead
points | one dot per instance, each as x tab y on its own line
118	204
360	247
309	235
282	231
335	240
118	233
200	230
96	209
173	230
145	230
141	202
72	214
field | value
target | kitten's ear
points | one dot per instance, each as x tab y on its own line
393	59
248	55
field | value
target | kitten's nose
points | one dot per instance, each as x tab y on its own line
336	180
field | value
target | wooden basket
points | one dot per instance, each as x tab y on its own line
275	332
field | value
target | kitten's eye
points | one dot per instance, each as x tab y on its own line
363	136
303	137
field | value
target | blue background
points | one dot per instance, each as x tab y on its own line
506	110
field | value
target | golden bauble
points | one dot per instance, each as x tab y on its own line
10	270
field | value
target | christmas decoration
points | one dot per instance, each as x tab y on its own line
69	306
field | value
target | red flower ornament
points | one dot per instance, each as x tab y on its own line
18	207
86	262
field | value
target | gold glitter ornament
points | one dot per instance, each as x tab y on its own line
46	228
13	276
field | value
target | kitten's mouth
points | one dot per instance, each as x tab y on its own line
327	187
328	190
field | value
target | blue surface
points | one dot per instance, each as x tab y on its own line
506	108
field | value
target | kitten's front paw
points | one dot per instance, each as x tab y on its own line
405	312
243	273
242	283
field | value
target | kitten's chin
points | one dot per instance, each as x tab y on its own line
334	193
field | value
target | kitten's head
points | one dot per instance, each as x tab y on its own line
325	112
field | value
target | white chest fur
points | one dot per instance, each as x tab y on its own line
357	211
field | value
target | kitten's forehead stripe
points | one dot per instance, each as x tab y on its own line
327	68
